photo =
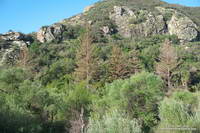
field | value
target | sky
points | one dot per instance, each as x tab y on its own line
192	3
29	15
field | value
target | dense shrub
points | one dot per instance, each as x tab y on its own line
11	78
72	32
113	122
180	111
138	96
57	70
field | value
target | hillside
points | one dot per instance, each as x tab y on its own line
140	18
121	66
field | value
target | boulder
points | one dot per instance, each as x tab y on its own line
50	33
106	30
121	16
183	27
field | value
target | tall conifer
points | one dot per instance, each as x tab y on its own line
167	62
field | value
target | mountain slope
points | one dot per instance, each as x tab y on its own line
122	18
134	18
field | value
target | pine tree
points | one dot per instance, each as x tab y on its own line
168	61
117	66
86	61
134	65
122	66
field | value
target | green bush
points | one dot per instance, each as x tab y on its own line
138	96
167	16
113	122
15	122
57	70
180	111
11	78
72	32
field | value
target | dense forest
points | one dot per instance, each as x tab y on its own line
89	82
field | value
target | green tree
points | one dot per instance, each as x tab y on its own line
11	78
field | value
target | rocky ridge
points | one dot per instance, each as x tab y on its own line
129	24
132	24
144	23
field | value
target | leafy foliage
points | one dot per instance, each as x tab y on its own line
137	95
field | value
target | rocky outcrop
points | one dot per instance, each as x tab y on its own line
121	16
12	36
152	26
183	27
143	23
88	8
140	23
10	45
50	33
9	56
15	36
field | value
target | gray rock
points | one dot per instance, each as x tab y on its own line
10	53
183	27
143	23
10	46
50	33
121	16
118	11
152	26
106	30
12	36
149	25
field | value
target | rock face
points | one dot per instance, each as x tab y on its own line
10	45
121	16
143	23
140	23
10	36
183	27
152	26
13	36
50	33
